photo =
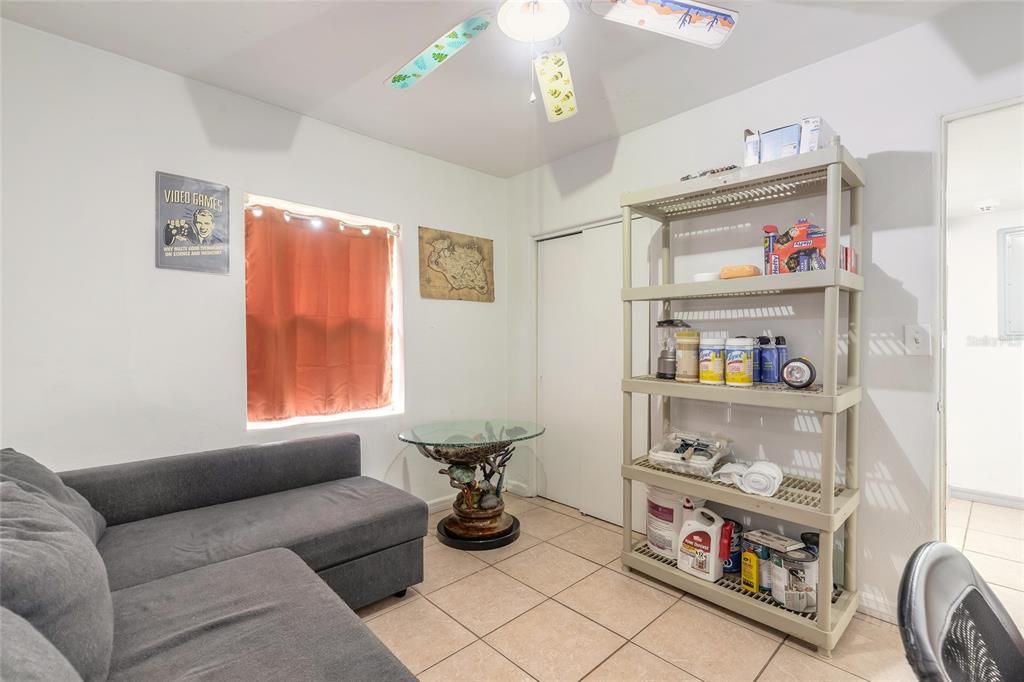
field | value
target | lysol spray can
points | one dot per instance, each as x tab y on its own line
783	351
761	342
733	563
769	363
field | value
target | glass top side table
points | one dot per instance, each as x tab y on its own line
475	453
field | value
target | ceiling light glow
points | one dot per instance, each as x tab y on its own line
287	217
317	223
366	230
256	211
532	21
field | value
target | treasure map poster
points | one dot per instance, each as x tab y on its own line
457	267
191	224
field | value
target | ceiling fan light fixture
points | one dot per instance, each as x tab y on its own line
533	21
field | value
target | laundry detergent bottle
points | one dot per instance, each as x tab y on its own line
704	544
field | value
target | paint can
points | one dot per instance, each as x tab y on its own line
795	580
733	563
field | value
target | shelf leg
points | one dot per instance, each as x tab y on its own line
825	540
830	338
833	214
824	653
627	372
828	462
852	481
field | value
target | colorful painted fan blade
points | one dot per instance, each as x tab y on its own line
556	87
691	21
435	55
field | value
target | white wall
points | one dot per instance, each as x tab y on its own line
93	372
985	375
886	99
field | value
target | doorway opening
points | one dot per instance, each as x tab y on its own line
983	346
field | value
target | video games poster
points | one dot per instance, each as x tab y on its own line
191	224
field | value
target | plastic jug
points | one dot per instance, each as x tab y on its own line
704	544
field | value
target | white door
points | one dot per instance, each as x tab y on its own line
601	480
580	369
560	367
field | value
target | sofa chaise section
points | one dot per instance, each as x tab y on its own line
263	616
164	516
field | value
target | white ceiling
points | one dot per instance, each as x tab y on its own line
986	162
329	60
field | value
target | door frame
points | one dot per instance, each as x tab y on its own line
941	478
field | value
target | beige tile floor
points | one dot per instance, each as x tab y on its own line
557	605
993	539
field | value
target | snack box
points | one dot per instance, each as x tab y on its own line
799	249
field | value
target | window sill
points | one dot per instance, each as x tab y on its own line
363	415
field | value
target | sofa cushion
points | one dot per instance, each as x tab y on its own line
52	576
27	656
265	616
325	524
33	477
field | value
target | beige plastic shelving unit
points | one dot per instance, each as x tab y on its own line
828	172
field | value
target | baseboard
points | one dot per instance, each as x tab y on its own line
517	488
996	499
445	503
441	503
877	608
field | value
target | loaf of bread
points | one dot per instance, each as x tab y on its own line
733	271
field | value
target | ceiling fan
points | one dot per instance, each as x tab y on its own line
540	21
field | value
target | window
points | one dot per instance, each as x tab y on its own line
319	313
1011	282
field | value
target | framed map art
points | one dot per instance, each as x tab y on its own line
456	267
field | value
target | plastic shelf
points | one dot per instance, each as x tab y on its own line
798	499
728	593
759	395
795	177
765	285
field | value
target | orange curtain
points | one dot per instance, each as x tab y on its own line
318	317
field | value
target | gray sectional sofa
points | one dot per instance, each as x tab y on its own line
226	565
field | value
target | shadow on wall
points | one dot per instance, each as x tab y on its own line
987	36
901	195
231	123
282	56
580	169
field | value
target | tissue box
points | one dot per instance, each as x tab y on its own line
815	134
771	144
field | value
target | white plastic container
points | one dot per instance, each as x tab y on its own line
665	512
712	360
739	362
700	545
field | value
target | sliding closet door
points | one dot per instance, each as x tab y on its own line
562	372
601	440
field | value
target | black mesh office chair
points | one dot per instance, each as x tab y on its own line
953	626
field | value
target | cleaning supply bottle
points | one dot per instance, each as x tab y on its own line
761	341
783	351
703	547
769	363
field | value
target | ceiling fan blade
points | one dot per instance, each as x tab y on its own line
438	52
694	22
556	86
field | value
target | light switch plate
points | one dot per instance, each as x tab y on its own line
917	339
